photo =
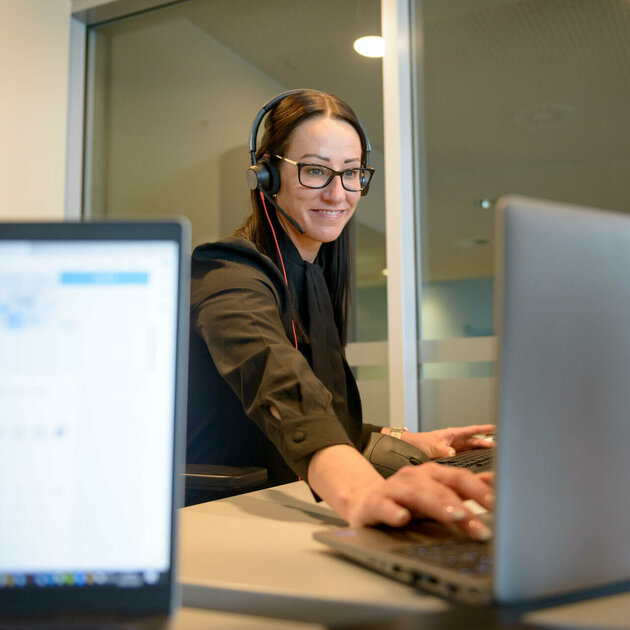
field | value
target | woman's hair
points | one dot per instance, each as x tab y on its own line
335	256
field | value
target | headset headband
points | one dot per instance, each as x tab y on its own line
273	102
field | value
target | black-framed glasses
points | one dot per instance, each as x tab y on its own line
319	176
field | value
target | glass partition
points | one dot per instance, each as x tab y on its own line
172	94
514	96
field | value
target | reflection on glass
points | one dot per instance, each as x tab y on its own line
172	97
524	97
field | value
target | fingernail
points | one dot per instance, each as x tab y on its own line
402	515
456	514
482	532
451	452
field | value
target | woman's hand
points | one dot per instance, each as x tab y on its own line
351	486
447	442
429	490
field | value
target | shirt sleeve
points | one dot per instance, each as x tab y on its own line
239	320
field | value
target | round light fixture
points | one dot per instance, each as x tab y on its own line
485	203
370	46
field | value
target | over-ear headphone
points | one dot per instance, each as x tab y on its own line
262	174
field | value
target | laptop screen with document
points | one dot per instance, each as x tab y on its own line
92	391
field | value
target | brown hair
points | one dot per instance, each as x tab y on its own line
335	257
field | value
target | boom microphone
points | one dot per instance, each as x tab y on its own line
290	219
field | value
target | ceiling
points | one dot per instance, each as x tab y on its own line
522	96
529	97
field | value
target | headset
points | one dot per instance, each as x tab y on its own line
262	175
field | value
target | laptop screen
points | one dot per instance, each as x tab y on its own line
89	325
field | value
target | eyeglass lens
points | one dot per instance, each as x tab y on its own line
318	176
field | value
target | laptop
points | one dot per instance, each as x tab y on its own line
561	519
93	336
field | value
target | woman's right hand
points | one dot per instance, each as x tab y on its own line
426	491
353	488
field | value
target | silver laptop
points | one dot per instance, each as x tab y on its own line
93	335
561	521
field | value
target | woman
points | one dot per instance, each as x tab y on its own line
269	383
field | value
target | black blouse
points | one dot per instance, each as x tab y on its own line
243	360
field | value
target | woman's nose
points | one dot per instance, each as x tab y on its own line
334	190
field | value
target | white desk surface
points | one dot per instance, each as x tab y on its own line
198	619
254	554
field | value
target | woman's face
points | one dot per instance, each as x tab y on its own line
322	212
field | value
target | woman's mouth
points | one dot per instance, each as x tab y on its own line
329	213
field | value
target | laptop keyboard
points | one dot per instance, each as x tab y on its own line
467	558
477	460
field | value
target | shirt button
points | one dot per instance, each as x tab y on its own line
299	436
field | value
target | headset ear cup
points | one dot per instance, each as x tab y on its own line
367	188
253	176
272	176
264	176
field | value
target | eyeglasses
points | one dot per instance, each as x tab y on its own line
319	176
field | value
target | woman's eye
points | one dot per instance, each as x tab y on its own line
350	174
314	171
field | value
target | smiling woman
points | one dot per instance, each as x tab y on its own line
269	383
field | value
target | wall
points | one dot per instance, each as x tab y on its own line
34	53
173	143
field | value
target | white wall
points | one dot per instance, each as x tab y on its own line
34	53
175	124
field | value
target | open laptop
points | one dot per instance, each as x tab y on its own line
561	520
93	336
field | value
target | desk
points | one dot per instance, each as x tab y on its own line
254	554
197	619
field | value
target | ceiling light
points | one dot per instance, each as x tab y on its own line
485	203
370	46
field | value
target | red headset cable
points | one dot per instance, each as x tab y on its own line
284	271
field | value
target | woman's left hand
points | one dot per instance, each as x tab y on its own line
447	442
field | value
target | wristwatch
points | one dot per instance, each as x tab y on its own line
398	431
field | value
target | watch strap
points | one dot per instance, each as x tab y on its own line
397	432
